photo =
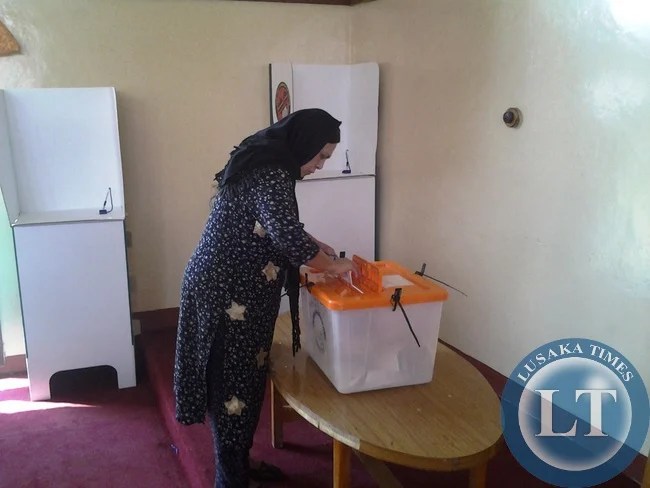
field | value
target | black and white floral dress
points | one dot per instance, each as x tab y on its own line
230	298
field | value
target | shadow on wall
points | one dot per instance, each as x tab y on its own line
12	341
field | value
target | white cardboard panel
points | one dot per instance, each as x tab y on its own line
73	284
66	147
340	212
326	87
351	94
364	118
7	175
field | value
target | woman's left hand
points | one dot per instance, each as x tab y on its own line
327	249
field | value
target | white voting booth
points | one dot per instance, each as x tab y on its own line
59	155
337	203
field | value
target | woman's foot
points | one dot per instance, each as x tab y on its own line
261	471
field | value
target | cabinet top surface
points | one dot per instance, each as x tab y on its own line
63	216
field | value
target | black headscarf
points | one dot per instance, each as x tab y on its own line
289	144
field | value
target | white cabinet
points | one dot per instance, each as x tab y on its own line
59	155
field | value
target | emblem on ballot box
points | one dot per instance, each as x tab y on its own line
318	326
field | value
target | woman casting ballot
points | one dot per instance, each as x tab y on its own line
253	243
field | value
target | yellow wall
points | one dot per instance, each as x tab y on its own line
546	227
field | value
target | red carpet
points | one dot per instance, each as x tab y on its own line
106	438
307	455
93	435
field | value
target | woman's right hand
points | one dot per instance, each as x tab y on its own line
341	266
334	267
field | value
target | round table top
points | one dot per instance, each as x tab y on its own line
452	422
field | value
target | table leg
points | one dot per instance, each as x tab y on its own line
341	465
379	471
277	406
477	476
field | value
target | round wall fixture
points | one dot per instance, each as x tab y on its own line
512	117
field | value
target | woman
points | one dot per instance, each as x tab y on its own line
252	244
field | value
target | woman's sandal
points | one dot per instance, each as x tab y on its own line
266	472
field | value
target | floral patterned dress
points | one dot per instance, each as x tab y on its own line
230	298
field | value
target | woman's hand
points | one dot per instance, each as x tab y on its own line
329	250
341	266
337	266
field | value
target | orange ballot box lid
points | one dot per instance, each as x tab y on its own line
375	286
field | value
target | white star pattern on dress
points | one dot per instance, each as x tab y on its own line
271	271
236	311
259	230
214	279
234	406
261	358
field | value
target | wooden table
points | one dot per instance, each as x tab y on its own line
452	423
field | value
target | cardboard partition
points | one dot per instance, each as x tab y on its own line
65	153
348	92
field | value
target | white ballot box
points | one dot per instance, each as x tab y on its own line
378	330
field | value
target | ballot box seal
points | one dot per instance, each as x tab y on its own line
575	412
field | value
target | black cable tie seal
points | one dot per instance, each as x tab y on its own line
421	273
395	300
